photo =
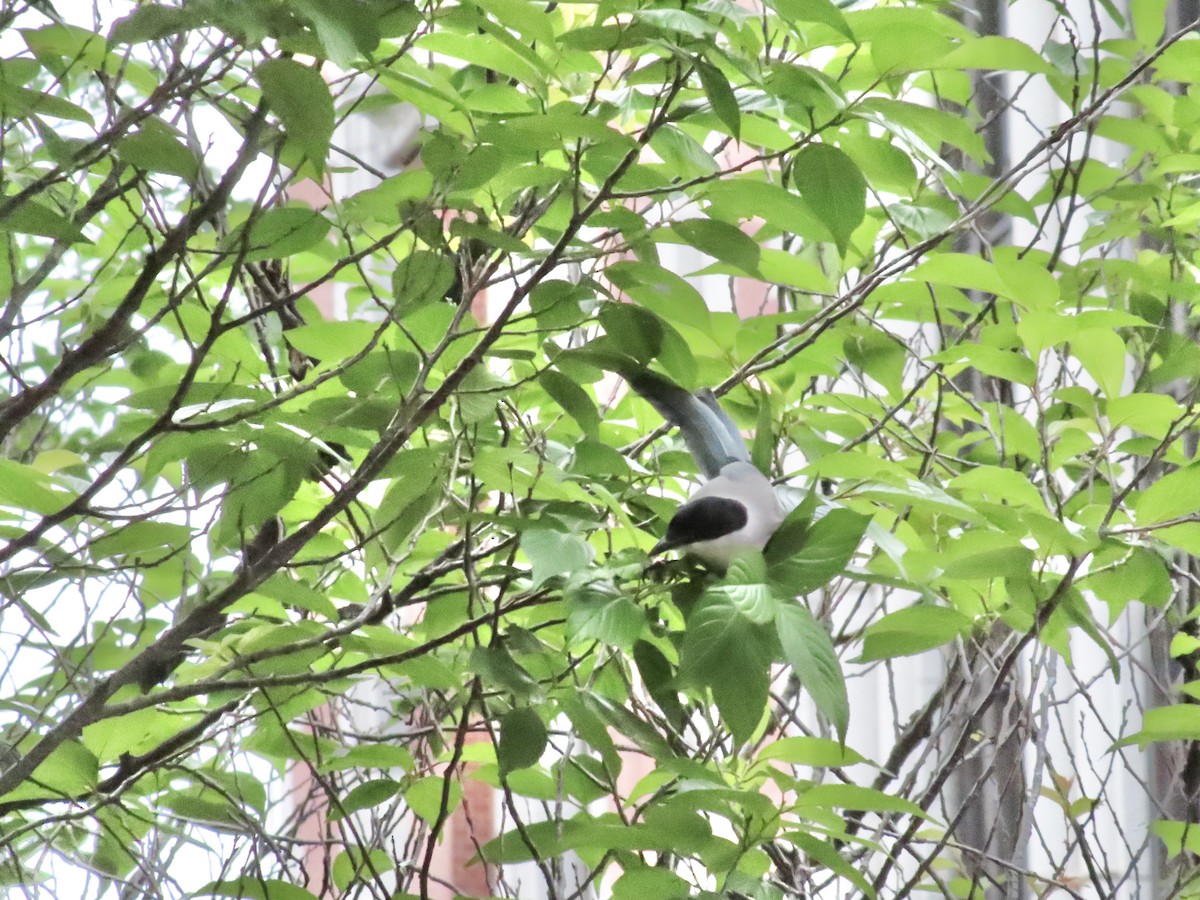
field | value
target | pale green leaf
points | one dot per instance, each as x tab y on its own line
908	632
428	797
332	340
300	97
996	53
154	147
1170	497
811	751
822	11
554	553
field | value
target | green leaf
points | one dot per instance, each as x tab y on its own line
809	649
69	771
353	865
804	560
557	304
743	199
675	20
659	678
1143	576
497	667
592	728
298	595
301	99
347	29
139	537
1180	722
78	46
914	630
480	166
997	562
852	796
827	854
1152	414
822	11
154	147
422	277
331	341
745	587
531	21
134	733
152	21
885	166
963	271
662	292
1006	364
19	103
996	53
721	97
488	52
682	154
599	612
523	739
908	47
811	751
784	268
1149	18
1177	836
721	241
281	232
364	796
925	127
624	722
408	498
32	217
24	487
637	332
650	884
425	797
554	553
1171	497
1001	485
1102	353
726	652
573	399
834	189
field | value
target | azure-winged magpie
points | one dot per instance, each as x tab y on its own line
736	509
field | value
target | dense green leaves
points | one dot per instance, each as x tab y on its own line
321	497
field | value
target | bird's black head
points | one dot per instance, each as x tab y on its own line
704	519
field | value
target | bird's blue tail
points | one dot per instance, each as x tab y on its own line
711	436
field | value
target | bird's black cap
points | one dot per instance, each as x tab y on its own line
704	519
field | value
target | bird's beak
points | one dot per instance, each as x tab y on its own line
661	547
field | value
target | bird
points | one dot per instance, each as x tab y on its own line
736	509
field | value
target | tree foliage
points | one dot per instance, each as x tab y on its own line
251	543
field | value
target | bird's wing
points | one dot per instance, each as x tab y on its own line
709	433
